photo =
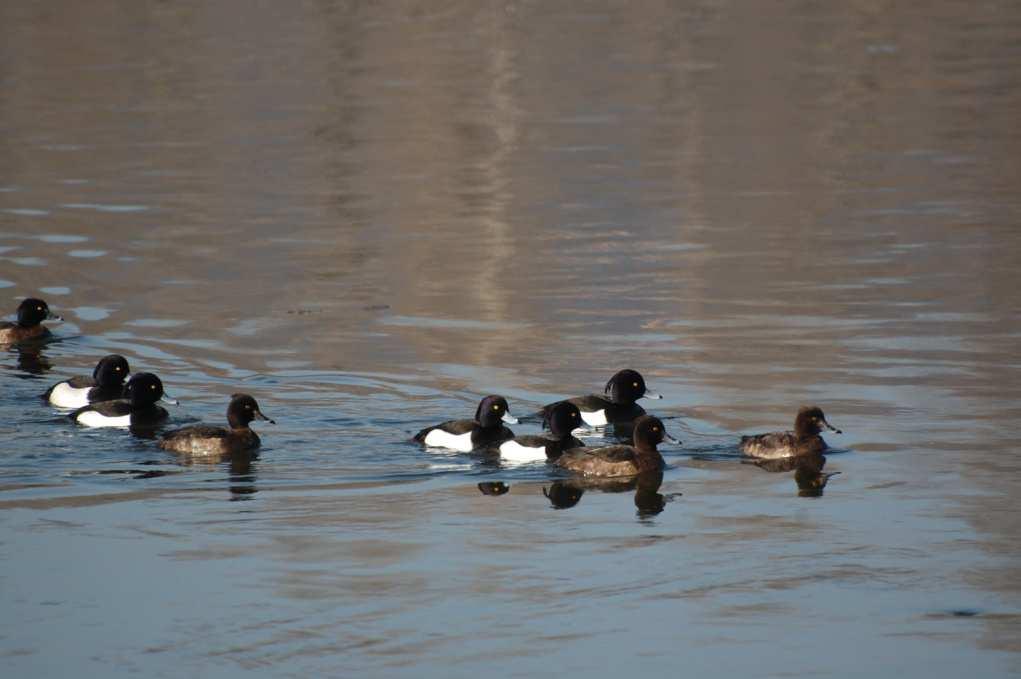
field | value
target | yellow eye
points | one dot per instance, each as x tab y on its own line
574	415
152	386
118	368
39	308
655	429
634	384
496	407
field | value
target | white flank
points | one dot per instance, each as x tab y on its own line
515	452
596	418
438	438
91	418
66	396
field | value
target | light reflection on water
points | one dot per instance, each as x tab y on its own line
368	224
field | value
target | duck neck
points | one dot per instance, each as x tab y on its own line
806	433
490	423
646	448
237	422
648	458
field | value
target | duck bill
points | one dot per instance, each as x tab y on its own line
50	316
260	416
653	395
171	401
509	419
832	428
670	439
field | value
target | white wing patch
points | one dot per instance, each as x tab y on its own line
596	418
91	418
515	452
66	396
438	438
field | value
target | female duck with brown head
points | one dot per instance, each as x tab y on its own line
804	440
203	439
31	314
621	460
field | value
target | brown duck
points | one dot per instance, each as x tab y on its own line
621	460
804	440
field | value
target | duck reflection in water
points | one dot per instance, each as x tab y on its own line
242	470
242	476
566	493
32	362
493	488
808	472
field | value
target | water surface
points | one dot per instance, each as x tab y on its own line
369	216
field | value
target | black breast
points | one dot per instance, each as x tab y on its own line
149	416
483	437
620	413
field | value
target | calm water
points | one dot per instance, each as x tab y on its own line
369	215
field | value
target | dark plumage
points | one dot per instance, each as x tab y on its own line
621	460
137	409
563	418
565	493
106	384
493	488
808	471
467	435
31	313
616	405
804	440
205	439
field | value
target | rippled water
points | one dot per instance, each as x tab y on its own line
369	216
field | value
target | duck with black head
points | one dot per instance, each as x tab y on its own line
464	436
136	409
616	405
563	419
622	460
106	384
29	326
207	440
804	440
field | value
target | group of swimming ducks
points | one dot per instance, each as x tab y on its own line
110	398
